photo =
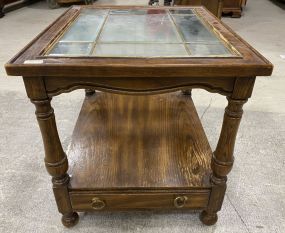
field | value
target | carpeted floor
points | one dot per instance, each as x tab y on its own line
255	199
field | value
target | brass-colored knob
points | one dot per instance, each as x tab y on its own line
98	204
180	201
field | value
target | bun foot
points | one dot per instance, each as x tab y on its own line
208	218
70	220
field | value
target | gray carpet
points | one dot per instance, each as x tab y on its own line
255	200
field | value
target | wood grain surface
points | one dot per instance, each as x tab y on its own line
138	142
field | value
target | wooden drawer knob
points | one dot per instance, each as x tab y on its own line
98	204
180	201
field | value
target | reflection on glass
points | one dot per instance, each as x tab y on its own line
85	28
139	28
193	30
182	12
209	50
73	49
140	50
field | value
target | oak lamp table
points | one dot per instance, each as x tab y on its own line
138	151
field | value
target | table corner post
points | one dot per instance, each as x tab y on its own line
223	158
55	158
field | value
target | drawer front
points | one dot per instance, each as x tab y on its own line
96	202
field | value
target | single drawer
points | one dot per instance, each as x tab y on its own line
93	201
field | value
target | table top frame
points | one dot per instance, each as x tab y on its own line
30	62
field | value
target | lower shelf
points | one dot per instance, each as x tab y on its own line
137	143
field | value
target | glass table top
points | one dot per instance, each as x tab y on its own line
139	33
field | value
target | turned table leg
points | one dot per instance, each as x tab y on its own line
222	160
55	160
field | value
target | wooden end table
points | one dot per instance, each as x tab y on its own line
138	151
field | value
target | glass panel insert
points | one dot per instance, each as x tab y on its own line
73	49
140	32
140	50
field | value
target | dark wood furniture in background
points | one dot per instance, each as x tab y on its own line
53	4
215	6
138	151
234	7
3	3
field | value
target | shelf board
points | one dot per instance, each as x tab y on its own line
139	142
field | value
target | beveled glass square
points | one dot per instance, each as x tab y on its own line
71	49
193	30
139	28
85	28
90	11
181	12
200	50
140	50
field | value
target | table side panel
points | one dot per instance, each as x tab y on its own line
55	85
82	201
